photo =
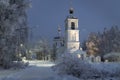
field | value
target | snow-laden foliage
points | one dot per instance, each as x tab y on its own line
104	42
107	69
13	29
72	65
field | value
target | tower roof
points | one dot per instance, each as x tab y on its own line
71	11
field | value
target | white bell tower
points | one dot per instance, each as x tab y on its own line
72	43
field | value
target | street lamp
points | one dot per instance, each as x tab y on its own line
21	45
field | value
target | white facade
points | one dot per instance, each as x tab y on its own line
72	43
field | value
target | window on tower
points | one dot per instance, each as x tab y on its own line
72	25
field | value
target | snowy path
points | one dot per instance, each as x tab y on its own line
38	70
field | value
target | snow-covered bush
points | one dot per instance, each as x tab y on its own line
107	69
71	65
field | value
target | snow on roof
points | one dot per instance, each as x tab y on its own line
112	54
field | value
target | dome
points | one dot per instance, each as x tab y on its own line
71	11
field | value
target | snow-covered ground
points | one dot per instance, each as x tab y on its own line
5	73
38	70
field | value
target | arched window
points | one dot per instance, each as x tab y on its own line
72	25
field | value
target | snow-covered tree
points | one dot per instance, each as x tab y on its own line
110	40
13	29
92	44
42	48
105	42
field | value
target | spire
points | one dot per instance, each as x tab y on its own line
71	10
59	30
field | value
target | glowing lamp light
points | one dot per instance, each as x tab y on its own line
79	56
21	45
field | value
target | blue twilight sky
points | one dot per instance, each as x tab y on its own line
93	16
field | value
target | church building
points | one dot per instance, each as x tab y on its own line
71	33
69	43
